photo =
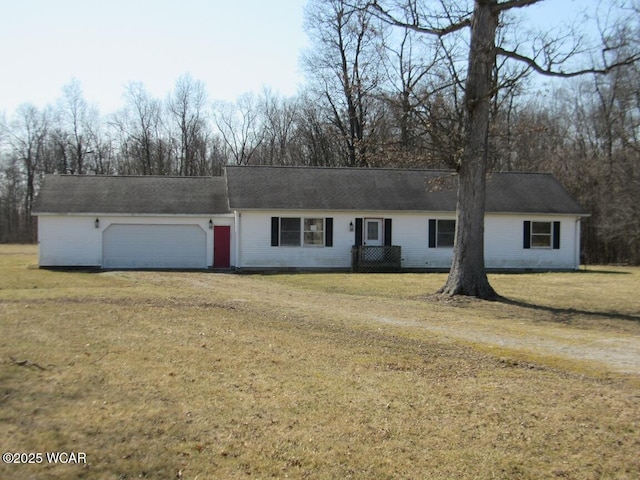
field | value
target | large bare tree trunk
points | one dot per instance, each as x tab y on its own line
467	275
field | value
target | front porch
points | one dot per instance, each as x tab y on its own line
376	259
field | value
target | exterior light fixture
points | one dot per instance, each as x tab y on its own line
210	224
96	224
351	226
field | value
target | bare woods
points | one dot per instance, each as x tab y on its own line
376	95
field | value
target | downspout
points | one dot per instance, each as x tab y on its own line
39	219
576	259
238	218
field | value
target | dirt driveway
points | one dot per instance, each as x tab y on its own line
513	328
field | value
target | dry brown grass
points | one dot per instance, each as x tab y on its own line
197	375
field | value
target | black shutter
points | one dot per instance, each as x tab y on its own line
387	232
432	233
358	232
556	235
526	239
328	232
275	231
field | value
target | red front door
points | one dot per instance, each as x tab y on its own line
221	246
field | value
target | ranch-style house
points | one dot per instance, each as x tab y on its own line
261	218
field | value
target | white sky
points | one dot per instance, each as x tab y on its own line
232	46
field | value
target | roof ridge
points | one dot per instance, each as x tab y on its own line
377	169
514	172
84	175
361	169
300	167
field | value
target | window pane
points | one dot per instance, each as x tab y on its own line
445	240
290	232
313	224
541	234
541	240
541	227
290	239
313	238
446	233
290	224
372	230
314	231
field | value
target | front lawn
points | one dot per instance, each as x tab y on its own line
196	375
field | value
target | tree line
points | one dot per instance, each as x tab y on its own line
375	96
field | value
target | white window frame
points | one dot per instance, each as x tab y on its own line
307	227
538	235
289	241
438	220
310	229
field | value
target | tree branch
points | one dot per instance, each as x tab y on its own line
558	73
514	4
385	16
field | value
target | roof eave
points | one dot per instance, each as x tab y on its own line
138	214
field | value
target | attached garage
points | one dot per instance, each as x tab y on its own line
122	222
154	246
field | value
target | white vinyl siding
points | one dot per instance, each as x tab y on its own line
69	241
503	242
256	248
73	240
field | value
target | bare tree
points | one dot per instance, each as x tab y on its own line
414	81
140	126
187	108
467	275
345	67
76	128
105	158
27	136
315	143
239	125
612	118
11	202
279	125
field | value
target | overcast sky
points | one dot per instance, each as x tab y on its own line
234	47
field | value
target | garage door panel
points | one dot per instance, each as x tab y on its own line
154	246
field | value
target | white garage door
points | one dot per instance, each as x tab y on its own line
154	246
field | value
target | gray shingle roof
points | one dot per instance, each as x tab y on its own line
297	188
307	188
132	194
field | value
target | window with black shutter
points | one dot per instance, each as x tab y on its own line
441	233
541	235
